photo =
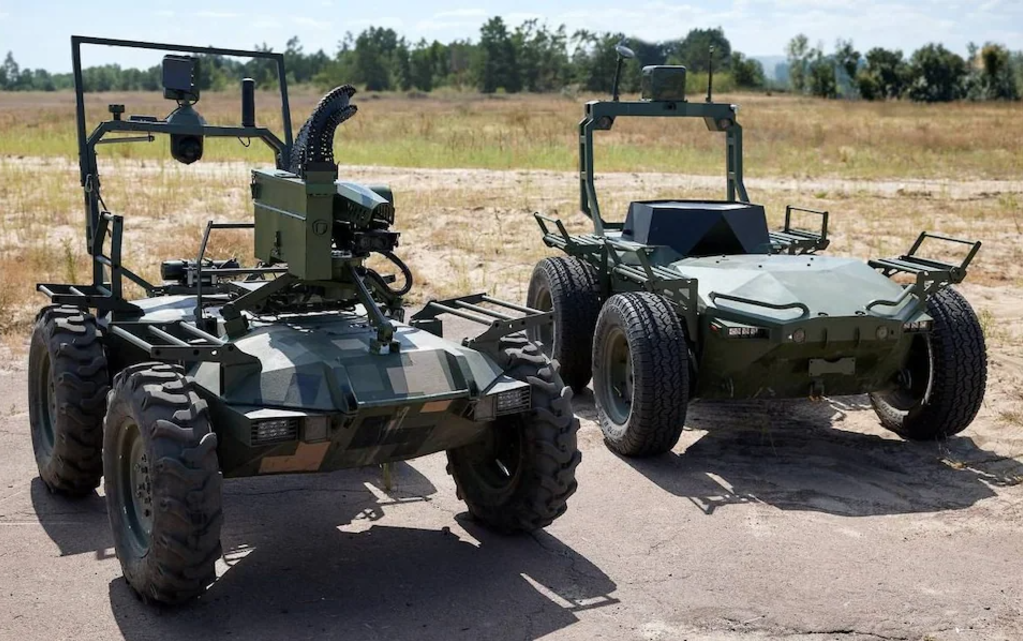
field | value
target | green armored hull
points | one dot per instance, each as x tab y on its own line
315	398
686	300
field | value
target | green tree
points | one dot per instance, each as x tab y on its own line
747	73
797	53
936	75
997	77
693	51
372	58
541	56
885	75
594	59
421	66
401	68
822	81
495	65
847	58
9	73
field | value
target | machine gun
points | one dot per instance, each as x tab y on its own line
313	233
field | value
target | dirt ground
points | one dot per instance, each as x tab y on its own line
786	520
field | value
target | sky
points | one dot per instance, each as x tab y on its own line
38	31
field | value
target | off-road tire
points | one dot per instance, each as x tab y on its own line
66	360
958	375
652	422
176	561
570	287
543	472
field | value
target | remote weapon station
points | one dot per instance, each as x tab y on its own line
693	299
300	364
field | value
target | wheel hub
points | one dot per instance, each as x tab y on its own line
49	406
136	489
619	377
544	334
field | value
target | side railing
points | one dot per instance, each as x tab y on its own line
930	274
499	321
794	240
628	262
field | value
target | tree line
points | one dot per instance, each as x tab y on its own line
932	73
533	57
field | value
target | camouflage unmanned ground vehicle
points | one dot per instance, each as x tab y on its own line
693	300
300	364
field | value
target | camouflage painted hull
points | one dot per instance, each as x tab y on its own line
316	399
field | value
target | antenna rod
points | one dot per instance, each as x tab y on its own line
618	75
710	75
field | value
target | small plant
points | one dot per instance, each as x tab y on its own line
70	261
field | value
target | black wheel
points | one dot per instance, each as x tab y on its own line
570	288
67	394
942	386
519	478
640	374
162	482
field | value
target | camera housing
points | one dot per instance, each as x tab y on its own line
181	78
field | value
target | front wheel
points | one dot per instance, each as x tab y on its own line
942	385
520	476
162	482
640	374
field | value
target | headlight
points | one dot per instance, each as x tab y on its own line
277	430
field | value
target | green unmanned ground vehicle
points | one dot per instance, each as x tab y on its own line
300	364
688	300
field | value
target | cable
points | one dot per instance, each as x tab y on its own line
406	273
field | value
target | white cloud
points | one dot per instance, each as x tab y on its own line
389	22
312	23
217	14
265	22
460	13
517	18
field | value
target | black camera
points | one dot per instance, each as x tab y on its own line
181	78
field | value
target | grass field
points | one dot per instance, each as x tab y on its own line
884	171
784	136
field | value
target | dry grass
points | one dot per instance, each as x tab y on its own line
466	230
785	136
462	230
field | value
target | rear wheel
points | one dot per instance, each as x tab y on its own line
520	476
68	383
640	374
162	483
569	287
941	388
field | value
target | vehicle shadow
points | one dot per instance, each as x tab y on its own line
301	565
794	455
77	525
